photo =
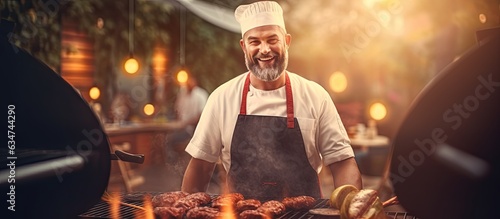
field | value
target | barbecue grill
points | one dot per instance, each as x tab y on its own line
62	155
102	209
445	156
57	161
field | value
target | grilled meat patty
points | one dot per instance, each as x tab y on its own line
226	200
299	202
272	207
169	212
247	204
180	204
254	214
203	213
176	204
193	200
167	199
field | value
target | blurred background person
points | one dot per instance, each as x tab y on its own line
121	108
188	106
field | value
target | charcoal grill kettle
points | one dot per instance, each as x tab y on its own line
61	159
445	160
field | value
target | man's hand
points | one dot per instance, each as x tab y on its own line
346	172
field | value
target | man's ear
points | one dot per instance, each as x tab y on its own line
242	45
288	40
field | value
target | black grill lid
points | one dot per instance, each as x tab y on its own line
445	156
61	155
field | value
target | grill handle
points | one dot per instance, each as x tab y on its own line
392	201
43	170
127	157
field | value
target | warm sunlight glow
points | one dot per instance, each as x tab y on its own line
159	61
149	109
378	111
182	76
338	82
131	66
94	93
372	3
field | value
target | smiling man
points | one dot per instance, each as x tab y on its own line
272	129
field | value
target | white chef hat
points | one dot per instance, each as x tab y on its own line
258	14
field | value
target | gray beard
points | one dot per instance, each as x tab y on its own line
270	73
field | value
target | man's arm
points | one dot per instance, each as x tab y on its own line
197	176
346	172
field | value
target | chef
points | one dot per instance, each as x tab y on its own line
272	129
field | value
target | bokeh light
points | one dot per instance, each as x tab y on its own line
131	66
338	82
182	76
94	93
149	109
378	111
482	18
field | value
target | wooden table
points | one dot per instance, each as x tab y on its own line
137	138
365	144
143	138
371	154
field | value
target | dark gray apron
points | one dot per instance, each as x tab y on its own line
268	157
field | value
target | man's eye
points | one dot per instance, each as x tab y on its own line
254	42
273	41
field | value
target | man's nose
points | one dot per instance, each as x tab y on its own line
264	48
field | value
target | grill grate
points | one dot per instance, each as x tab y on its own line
321	203
400	215
102	209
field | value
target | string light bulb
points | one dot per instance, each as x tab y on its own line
149	109
482	18
182	76
94	93
378	111
338	82
131	65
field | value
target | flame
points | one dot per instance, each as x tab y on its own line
227	209
114	205
147	211
114	201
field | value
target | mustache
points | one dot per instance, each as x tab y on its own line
268	55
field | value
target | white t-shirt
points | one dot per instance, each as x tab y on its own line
191	104
325	138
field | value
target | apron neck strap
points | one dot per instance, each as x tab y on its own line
289	100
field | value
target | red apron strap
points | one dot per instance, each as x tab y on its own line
289	100
246	87
289	103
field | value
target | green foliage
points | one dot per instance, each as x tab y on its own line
111	40
37	29
155	21
213	54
